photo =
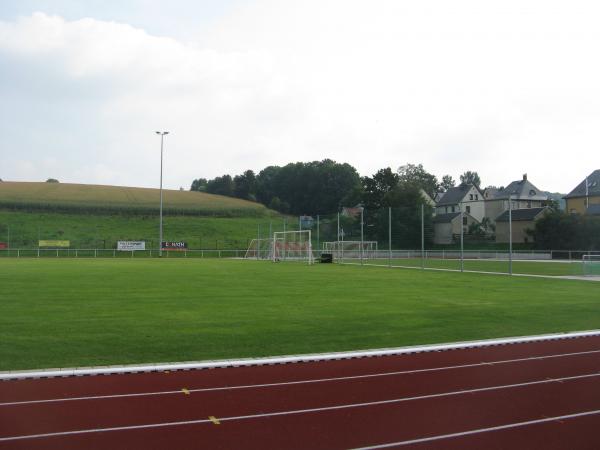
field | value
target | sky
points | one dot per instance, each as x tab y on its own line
498	87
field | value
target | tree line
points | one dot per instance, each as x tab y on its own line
321	187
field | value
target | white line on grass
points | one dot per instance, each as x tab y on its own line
481	430
11	375
309	381
301	411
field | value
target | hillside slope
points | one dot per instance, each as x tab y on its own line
66	197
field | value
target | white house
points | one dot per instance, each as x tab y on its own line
466	198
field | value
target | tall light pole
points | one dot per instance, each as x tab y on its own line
160	235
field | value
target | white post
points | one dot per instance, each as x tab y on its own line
361	234
160	234
462	249
510	234
390	236
422	236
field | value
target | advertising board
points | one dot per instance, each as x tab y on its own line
128	246
169	245
54	243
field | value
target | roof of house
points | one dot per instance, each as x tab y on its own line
520	190
449	217
524	214
490	192
445	218
455	195
593	181
593	210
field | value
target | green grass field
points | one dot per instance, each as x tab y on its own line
67	312
552	268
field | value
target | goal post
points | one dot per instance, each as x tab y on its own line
591	265
260	249
293	246
351	249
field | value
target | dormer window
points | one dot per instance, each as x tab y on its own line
532	192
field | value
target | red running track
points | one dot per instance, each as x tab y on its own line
537	395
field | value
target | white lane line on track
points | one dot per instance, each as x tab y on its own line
291	383
481	430
300	411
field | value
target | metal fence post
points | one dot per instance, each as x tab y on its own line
510	234
389	236
422	236
462	248
361	234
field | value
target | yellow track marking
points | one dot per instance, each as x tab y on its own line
214	420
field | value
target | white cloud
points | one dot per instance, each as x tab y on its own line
499	87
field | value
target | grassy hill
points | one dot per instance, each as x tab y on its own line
92	216
65	197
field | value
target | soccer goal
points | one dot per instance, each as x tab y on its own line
260	249
351	249
292	246
591	265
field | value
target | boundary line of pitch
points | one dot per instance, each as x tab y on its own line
158	367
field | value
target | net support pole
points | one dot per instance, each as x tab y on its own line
318	234
510	234
361	234
258	241
389	236
462	240
423	236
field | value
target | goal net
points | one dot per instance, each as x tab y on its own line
351	249
292	246
591	265
260	249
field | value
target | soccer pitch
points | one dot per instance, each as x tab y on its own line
68	312
551	268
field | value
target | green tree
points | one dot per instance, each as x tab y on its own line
561	231
447	183
199	185
221	186
418	176
52	180
376	187
470	177
245	185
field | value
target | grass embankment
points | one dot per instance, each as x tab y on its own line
65	197
92	216
64	313
103	231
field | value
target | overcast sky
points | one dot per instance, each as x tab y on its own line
501	87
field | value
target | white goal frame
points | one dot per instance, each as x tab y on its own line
294	249
260	249
591	265
351	249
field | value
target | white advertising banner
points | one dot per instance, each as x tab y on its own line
128	246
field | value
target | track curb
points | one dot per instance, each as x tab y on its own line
214	364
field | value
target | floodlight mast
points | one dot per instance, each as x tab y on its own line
160	235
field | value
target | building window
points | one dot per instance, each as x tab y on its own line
446	210
453	209
468	209
464	220
476	196
470	196
529	204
